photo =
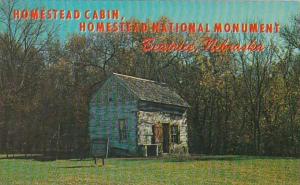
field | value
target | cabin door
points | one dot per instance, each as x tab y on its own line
157	133
166	136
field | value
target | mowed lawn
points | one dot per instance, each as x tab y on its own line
206	170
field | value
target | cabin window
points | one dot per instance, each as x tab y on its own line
123	130
175	134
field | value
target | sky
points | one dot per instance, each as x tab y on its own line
201	11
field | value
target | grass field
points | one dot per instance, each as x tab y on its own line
205	170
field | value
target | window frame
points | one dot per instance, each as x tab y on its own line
175	134
123	131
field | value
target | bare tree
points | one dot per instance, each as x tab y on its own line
21	45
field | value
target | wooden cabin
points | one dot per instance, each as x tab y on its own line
137	117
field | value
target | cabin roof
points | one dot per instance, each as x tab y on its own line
152	91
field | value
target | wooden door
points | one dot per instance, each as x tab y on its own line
157	133
166	137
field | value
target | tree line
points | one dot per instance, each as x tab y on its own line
241	102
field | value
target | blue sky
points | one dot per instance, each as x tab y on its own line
202	11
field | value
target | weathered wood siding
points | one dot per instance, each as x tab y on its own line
113	101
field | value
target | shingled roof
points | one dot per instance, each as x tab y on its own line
152	91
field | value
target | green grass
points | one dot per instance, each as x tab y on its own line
206	170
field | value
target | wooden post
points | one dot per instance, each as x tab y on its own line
107	146
146	151
95	160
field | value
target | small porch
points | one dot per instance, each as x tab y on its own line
158	138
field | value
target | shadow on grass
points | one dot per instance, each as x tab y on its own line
41	157
178	158
79	167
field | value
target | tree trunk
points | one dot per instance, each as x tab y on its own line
58	142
